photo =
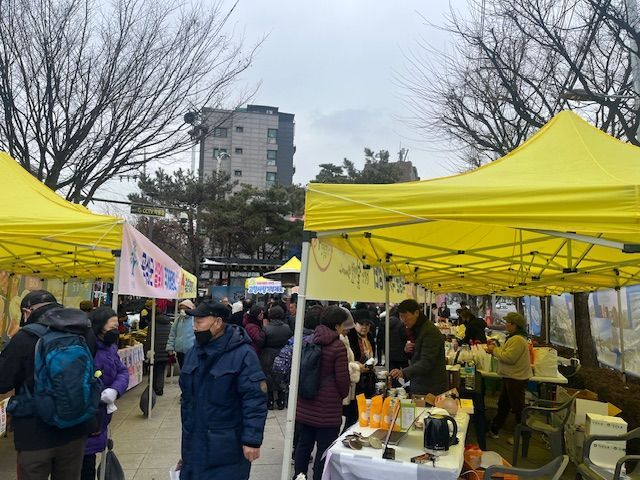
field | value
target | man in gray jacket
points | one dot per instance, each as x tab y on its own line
427	370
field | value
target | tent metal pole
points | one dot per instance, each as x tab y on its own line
116	282
621	333
151	354
64	290
387	323
295	360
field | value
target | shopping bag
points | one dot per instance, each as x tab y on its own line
144	401
546	362
113	469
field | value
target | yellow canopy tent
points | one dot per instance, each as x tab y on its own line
559	213
44	235
288	273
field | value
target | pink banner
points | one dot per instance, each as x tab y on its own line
145	270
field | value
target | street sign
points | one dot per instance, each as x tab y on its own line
149	211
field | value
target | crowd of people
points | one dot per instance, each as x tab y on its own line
235	363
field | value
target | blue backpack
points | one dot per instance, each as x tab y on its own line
66	391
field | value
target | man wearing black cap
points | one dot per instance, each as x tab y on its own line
224	399
43	449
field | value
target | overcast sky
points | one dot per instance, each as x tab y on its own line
333	64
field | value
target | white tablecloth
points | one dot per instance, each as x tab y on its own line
343	463
560	379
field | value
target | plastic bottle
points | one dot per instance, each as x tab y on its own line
470	376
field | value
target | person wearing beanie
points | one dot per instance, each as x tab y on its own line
115	380
181	336
237	313
276	335
515	369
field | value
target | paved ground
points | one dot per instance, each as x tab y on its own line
147	448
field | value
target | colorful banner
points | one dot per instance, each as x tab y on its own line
188	285
145	270
335	275
533	314
263	286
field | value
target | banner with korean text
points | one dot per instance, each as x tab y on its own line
188	285
145	270
335	275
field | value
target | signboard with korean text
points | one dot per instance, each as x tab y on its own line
335	275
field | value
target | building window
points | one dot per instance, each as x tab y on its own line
218	151
219	132
239	129
237	173
238	151
272	133
272	156
271	177
271	163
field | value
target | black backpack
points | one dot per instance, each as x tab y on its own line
309	369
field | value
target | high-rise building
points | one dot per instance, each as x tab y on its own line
254	145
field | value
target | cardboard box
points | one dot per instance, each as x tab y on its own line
605	453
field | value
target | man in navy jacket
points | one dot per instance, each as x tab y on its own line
224	399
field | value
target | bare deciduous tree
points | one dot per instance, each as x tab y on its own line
509	72
91	89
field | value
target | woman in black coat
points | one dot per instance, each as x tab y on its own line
276	335
162	327
363	345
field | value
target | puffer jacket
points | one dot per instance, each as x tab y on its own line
325	410
181	336
224	406
163	327
114	375
254	328
276	335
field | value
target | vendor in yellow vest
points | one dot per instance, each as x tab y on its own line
515	369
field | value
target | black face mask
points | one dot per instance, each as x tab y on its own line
203	337
111	336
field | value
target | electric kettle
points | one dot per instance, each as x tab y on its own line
437	439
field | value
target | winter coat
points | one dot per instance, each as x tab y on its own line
427	371
224	406
163	327
17	370
474	331
181	336
114	375
276	335
256	333
367	382
444	312
354	371
513	358
325	410
236	318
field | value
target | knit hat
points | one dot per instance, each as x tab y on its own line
99	317
362	316
187	303
236	307
516	319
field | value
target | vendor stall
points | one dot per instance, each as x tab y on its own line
533	225
342	463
